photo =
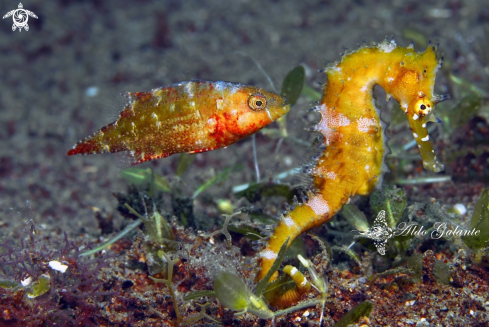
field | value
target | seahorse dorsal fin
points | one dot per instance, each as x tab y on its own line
433	119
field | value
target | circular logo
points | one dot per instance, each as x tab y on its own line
20	17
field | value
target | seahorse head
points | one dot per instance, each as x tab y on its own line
414	89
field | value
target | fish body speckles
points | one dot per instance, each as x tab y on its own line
190	117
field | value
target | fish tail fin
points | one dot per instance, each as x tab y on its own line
86	146
99	142
106	140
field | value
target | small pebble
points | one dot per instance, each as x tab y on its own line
26	281
56	265
460	209
91	91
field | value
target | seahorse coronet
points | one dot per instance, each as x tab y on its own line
354	146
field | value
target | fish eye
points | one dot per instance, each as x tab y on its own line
257	102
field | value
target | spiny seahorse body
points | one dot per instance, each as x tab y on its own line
352	154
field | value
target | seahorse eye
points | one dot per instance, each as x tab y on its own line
423	107
257	102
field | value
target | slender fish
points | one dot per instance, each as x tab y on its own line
191	117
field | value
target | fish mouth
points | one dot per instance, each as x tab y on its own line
277	113
286	104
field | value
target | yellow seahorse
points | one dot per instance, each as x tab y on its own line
351	155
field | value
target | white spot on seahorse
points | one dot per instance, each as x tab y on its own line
424	125
415	117
405	106
293	271
424	139
364	124
387	46
322	171
268	254
329	122
318	204
415	135
367	167
288	221
331	175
